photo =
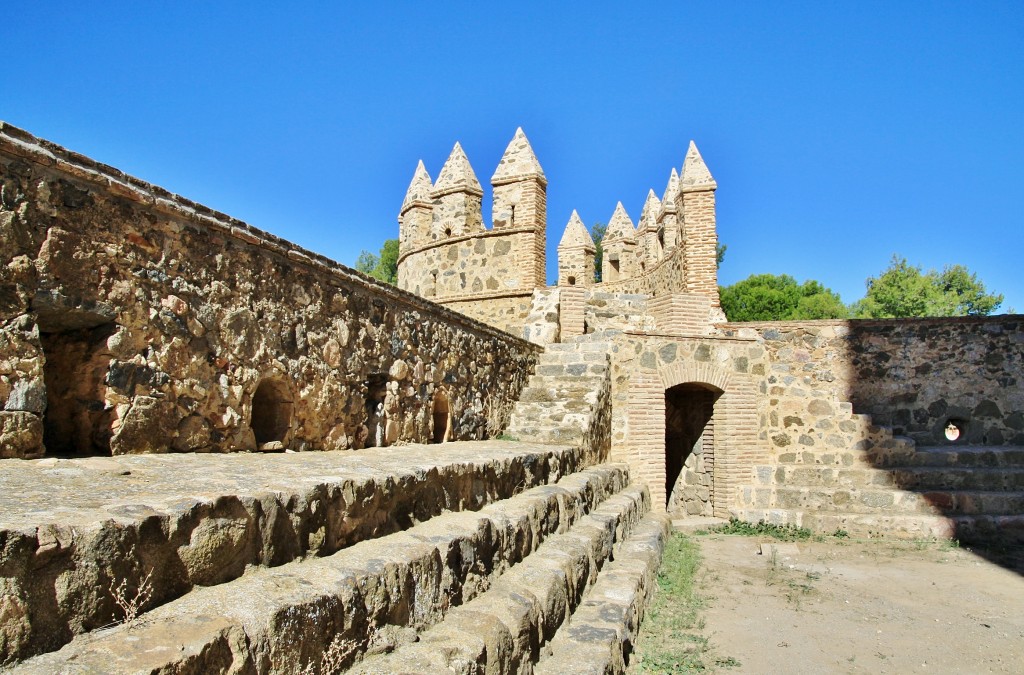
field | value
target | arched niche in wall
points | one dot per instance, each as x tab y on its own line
272	412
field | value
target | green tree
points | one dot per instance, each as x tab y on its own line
719	255
904	290
383	266
769	297
597	234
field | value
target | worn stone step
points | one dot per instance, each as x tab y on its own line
867	500
504	629
907	478
275	619
71	530
599	639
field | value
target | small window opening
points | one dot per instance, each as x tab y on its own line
572	281
271	414
955	430
441	416
512	217
447	231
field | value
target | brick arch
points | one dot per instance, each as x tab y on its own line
735	421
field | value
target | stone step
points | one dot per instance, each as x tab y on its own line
881	501
71	530
981	528
577	347
365	597
571	370
599	638
506	628
907	478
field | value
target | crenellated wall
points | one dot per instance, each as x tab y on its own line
134	320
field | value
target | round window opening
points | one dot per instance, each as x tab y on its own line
954	430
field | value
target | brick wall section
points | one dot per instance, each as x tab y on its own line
162	320
700	240
644	365
572	301
682	313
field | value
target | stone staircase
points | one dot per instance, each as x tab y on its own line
566	400
473	556
870	483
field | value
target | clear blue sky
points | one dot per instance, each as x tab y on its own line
839	133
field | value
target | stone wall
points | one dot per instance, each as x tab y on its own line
914	375
133	320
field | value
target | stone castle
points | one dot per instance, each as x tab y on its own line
497	455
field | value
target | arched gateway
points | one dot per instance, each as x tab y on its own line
693	430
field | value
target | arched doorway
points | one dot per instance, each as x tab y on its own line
271	414
441	419
690	448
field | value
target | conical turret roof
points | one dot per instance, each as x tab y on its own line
576	234
620	226
518	162
457	175
668	199
695	174
649	215
419	189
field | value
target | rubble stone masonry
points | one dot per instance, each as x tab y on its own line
133	320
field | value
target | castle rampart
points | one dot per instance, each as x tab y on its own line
134	320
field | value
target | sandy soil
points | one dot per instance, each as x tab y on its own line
860	607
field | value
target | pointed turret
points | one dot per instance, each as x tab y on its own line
518	162
457	175
668	199
620	227
696	204
576	254
457	198
521	202
576	234
649	214
668	218
695	174
414	218
647	229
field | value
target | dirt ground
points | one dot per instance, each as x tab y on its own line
859	607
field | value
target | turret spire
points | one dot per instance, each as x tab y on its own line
620	226
419	188
576	234
518	162
457	175
695	174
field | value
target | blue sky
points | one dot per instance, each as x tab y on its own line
839	133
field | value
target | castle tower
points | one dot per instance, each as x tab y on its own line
696	206
457	198
619	246
416	214
520	201
668	221
648	229
576	255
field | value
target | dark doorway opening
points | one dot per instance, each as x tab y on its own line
271	412
689	448
77	422
441	415
376	392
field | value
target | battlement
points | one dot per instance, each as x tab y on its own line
447	254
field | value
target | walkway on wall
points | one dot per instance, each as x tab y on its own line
264	562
